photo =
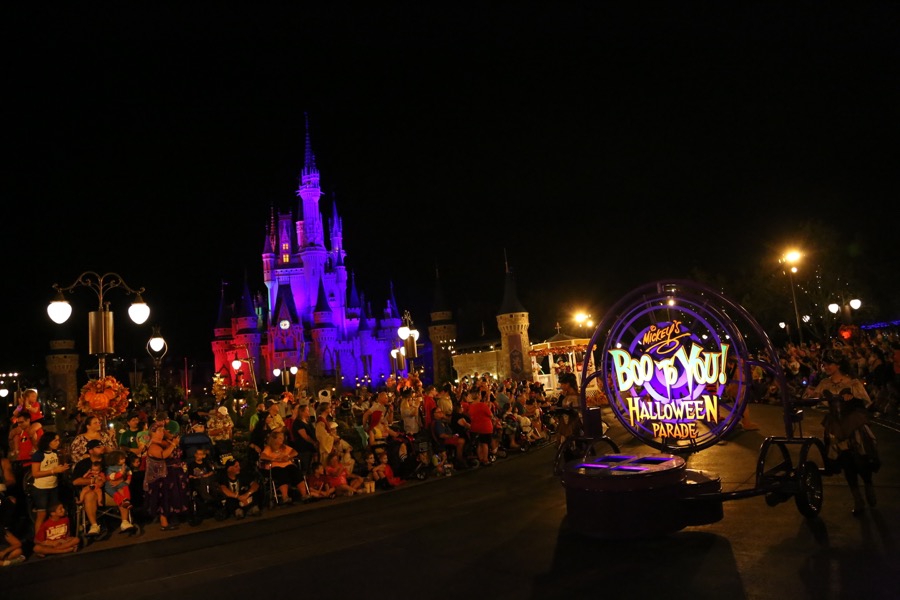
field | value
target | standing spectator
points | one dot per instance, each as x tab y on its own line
327	437
53	536
482	424
274	421
409	412
30	404
45	468
22	445
134	439
304	437
428	404
165	483
91	430
239	489
220	429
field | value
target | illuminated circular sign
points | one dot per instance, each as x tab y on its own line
674	366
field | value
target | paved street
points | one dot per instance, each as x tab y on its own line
501	532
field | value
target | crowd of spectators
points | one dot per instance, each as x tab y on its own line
164	469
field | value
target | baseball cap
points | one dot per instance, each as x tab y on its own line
228	460
93	444
223	411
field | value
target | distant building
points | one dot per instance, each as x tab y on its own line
311	316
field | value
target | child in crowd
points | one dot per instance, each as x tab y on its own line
389	480
97	477
318	482
54	536
202	475
344	482
441	466
12	554
373	472
118	478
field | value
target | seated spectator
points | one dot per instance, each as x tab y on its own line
89	472
118	478
92	429
318	482
279	457
388	480
239	489
372	472
344	483
384	438
446	438
54	535
12	554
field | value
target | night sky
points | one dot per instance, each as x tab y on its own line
594	148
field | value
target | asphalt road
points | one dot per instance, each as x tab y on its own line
501	532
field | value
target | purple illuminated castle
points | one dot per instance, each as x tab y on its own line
312	316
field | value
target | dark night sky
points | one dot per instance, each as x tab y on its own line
599	147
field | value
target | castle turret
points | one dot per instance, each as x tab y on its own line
442	333
512	321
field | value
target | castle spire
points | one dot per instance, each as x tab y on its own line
309	159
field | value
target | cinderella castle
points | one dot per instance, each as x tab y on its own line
313	324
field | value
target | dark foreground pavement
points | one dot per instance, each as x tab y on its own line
501	532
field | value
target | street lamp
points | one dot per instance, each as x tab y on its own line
792	257
854	304
409	336
237	365
285	375
157	349
100	321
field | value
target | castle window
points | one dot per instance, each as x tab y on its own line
285	258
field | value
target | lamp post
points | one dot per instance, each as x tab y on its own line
409	336
100	321
847	307
157	348
237	365
792	257
285	375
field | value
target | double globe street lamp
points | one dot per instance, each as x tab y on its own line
408	350
100	321
157	348
792	258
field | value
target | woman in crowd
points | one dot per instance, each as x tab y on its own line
165	481
92	429
279	457
45	468
304	439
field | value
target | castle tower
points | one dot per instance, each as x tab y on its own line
512	321
62	373
442	334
